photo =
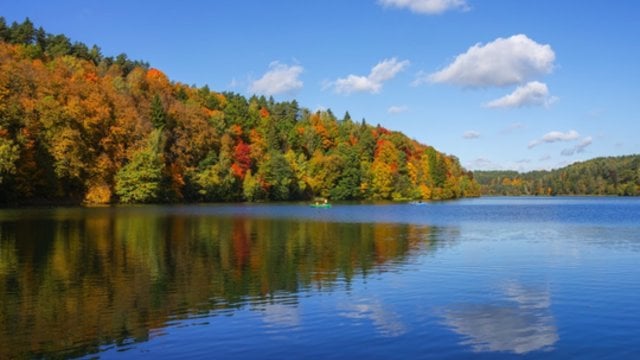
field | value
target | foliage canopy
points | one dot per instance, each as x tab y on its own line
78	126
600	176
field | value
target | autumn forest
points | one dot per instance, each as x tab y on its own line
604	176
80	127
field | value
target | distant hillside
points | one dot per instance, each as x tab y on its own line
77	126
601	176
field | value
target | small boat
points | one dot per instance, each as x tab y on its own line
322	205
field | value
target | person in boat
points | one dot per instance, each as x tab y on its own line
322	203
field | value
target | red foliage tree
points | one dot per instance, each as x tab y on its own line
242	159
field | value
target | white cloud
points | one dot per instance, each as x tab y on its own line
397	109
430	7
555	136
578	148
471	134
545	157
353	83
533	93
281	78
372	83
502	62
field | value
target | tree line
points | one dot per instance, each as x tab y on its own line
40	44
76	126
600	176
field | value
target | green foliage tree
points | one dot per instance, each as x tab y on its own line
437	167
9	154
4	30
347	185
158	115
278	177
252	189
216	179
139	181
23	33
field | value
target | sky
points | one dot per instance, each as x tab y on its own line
501	84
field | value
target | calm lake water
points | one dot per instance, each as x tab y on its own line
485	278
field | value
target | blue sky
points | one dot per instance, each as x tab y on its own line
502	84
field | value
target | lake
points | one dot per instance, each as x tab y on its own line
485	278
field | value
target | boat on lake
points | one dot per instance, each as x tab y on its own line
324	204
321	205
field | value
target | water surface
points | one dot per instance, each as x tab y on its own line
489	278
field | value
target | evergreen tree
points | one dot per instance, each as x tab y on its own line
348	184
158	115
23	33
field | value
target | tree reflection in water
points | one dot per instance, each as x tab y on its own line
73	280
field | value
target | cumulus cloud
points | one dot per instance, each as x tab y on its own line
281	78
533	93
430	7
502	62
578	148
555	136
471	134
372	83
397	109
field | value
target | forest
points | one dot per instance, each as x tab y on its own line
600	176
80	127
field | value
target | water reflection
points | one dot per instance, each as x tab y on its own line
101	276
523	324
387	322
280	315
